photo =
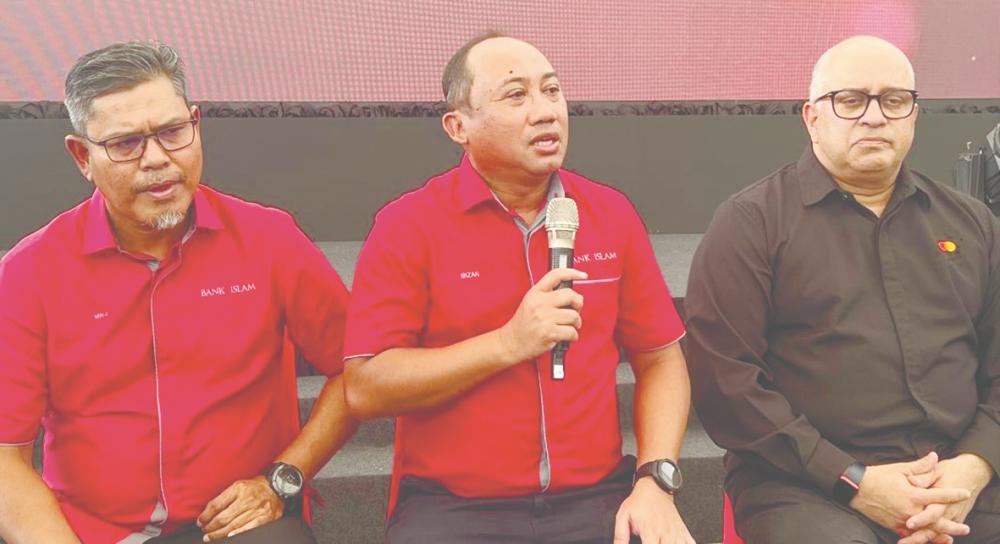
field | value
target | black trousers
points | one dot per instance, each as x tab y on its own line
287	530
426	512
776	512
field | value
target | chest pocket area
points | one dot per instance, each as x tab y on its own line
600	303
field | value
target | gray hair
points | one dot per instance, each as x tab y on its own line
119	67
457	80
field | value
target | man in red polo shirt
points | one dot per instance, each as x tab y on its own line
150	331
454	314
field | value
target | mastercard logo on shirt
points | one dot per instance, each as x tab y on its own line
947	246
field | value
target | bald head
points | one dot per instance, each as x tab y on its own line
860	59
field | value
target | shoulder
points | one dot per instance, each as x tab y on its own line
60	238
601	202
406	210
244	214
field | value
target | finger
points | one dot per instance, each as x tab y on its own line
926	517
926	463
252	524
923	536
924	480
950	527
565	333
239	521
565	298
567	317
940	495
622	532
554	277
217	505
225	517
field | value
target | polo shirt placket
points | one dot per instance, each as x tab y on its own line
555	191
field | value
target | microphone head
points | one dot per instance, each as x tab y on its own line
561	214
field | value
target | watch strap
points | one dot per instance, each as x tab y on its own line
848	484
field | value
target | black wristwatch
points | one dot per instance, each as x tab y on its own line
846	487
665	473
287	483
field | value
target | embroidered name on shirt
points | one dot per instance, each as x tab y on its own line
596	256
233	289
469	275
100	315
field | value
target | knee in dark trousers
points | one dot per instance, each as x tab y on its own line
287	530
780	513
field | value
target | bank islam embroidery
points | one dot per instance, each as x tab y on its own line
231	290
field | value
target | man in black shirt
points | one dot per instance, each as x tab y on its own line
844	330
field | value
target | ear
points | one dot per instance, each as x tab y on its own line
195	112
453	123
809	117
77	148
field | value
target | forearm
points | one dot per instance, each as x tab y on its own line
403	380
662	402
29	512
330	425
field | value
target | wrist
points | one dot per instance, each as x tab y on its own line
649	485
505	352
978	469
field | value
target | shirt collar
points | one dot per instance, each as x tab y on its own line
472	188
816	183
98	235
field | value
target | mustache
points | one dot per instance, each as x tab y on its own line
157	179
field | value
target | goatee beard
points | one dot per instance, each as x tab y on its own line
167	220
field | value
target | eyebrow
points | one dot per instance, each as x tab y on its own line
172	121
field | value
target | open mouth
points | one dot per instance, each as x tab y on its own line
546	143
161	190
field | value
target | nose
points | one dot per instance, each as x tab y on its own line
543	109
873	115
153	156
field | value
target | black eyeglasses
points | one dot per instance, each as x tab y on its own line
130	147
853	103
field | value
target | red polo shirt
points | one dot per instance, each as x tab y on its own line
448	262
159	386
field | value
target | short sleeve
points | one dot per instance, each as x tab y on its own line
23	387
647	318
314	300
391	290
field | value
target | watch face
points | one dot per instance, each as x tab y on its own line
287	481
669	474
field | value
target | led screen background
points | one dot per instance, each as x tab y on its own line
394	51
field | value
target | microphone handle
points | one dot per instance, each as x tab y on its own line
560	257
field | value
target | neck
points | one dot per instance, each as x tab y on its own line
148	241
872	191
874	196
524	196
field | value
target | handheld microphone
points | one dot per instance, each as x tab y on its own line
561	222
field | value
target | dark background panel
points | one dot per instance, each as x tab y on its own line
333	174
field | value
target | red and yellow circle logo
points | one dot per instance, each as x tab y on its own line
947	246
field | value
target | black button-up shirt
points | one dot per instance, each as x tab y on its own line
820	333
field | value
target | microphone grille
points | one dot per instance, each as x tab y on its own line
561	214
